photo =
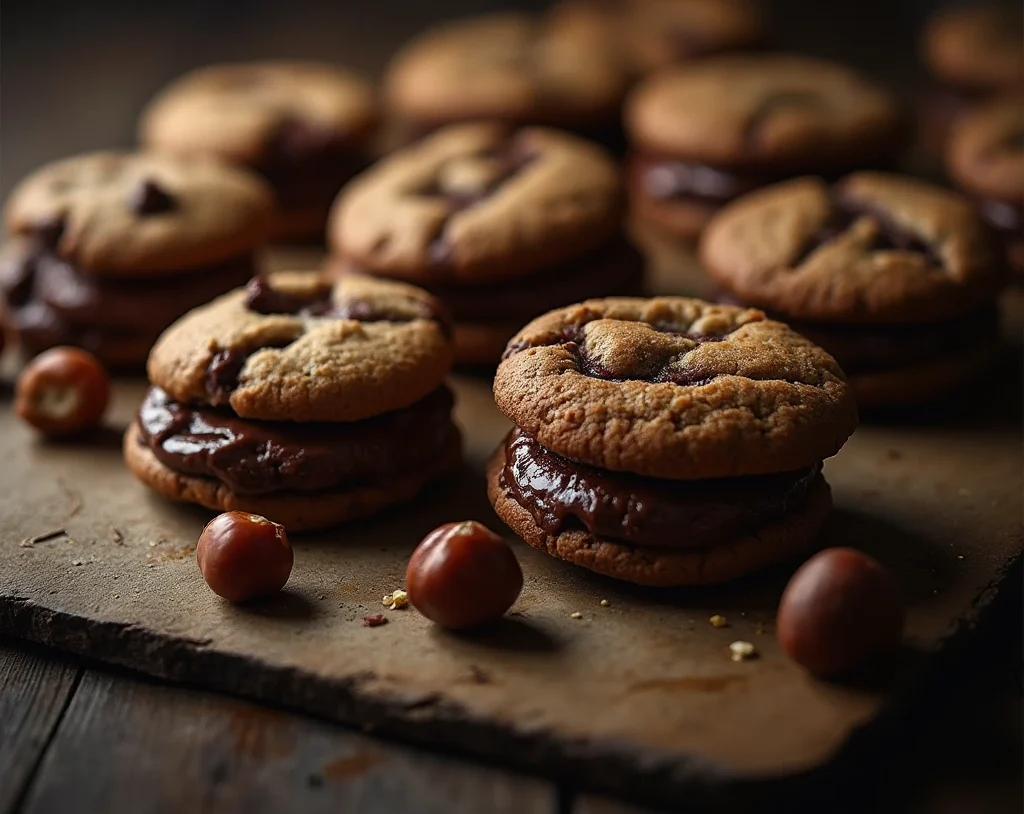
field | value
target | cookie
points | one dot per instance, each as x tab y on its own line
985	158
500	224
787	536
666	441
307	400
299	347
304	126
674	388
896	278
108	249
707	133
112	214
652	34
513	68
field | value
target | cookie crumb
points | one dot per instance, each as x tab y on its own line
375	620
78	562
576	615
718	620
742	651
605	603
396	600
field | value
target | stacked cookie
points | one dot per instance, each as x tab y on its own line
500	224
894	277
666	441
108	249
512	68
985	157
704	134
308	401
304	126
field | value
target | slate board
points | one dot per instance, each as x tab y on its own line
637	697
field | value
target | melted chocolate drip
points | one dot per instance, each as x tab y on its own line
222	374
561	494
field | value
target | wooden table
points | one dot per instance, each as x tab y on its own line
77	737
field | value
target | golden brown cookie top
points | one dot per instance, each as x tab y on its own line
244	111
976	47
124	214
674	388
781	110
511	67
873	248
985	151
299	347
479	201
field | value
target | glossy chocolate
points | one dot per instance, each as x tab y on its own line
259	457
668	179
562	495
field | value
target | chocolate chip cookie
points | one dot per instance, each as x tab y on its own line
985	157
499	223
666	441
895	277
306	400
973	52
513	68
304	126
108	249
704	134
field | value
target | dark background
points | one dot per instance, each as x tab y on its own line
74	73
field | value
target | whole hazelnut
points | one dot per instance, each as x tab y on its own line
62	392
463	575
244	556
840	610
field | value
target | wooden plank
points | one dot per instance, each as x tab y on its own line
136	745
34	692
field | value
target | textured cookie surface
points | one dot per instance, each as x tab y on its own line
131	213
238	111
674	388
511	67
763	109
976	47
478	201
785	537
985	152
296	511
298	347
872	248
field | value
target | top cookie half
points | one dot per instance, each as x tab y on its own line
674	388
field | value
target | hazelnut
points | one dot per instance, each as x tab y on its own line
463	575
840	610
62	392
244	556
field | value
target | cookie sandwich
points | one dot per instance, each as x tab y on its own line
500	223
666	441
985	158
896	278
309	401
108	249
704	134
304	126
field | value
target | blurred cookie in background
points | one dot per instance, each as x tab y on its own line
513	68
973	52
704	134
108	249
985	158
305	127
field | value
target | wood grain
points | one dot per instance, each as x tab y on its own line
34	692
138	746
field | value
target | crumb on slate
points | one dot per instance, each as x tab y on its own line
576	615
396	600
718	620
605	603
375	620
742	651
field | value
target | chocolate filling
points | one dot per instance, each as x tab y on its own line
669	179
259	457
563	495
48	301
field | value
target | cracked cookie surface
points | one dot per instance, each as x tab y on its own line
872	248
299	347
674	388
